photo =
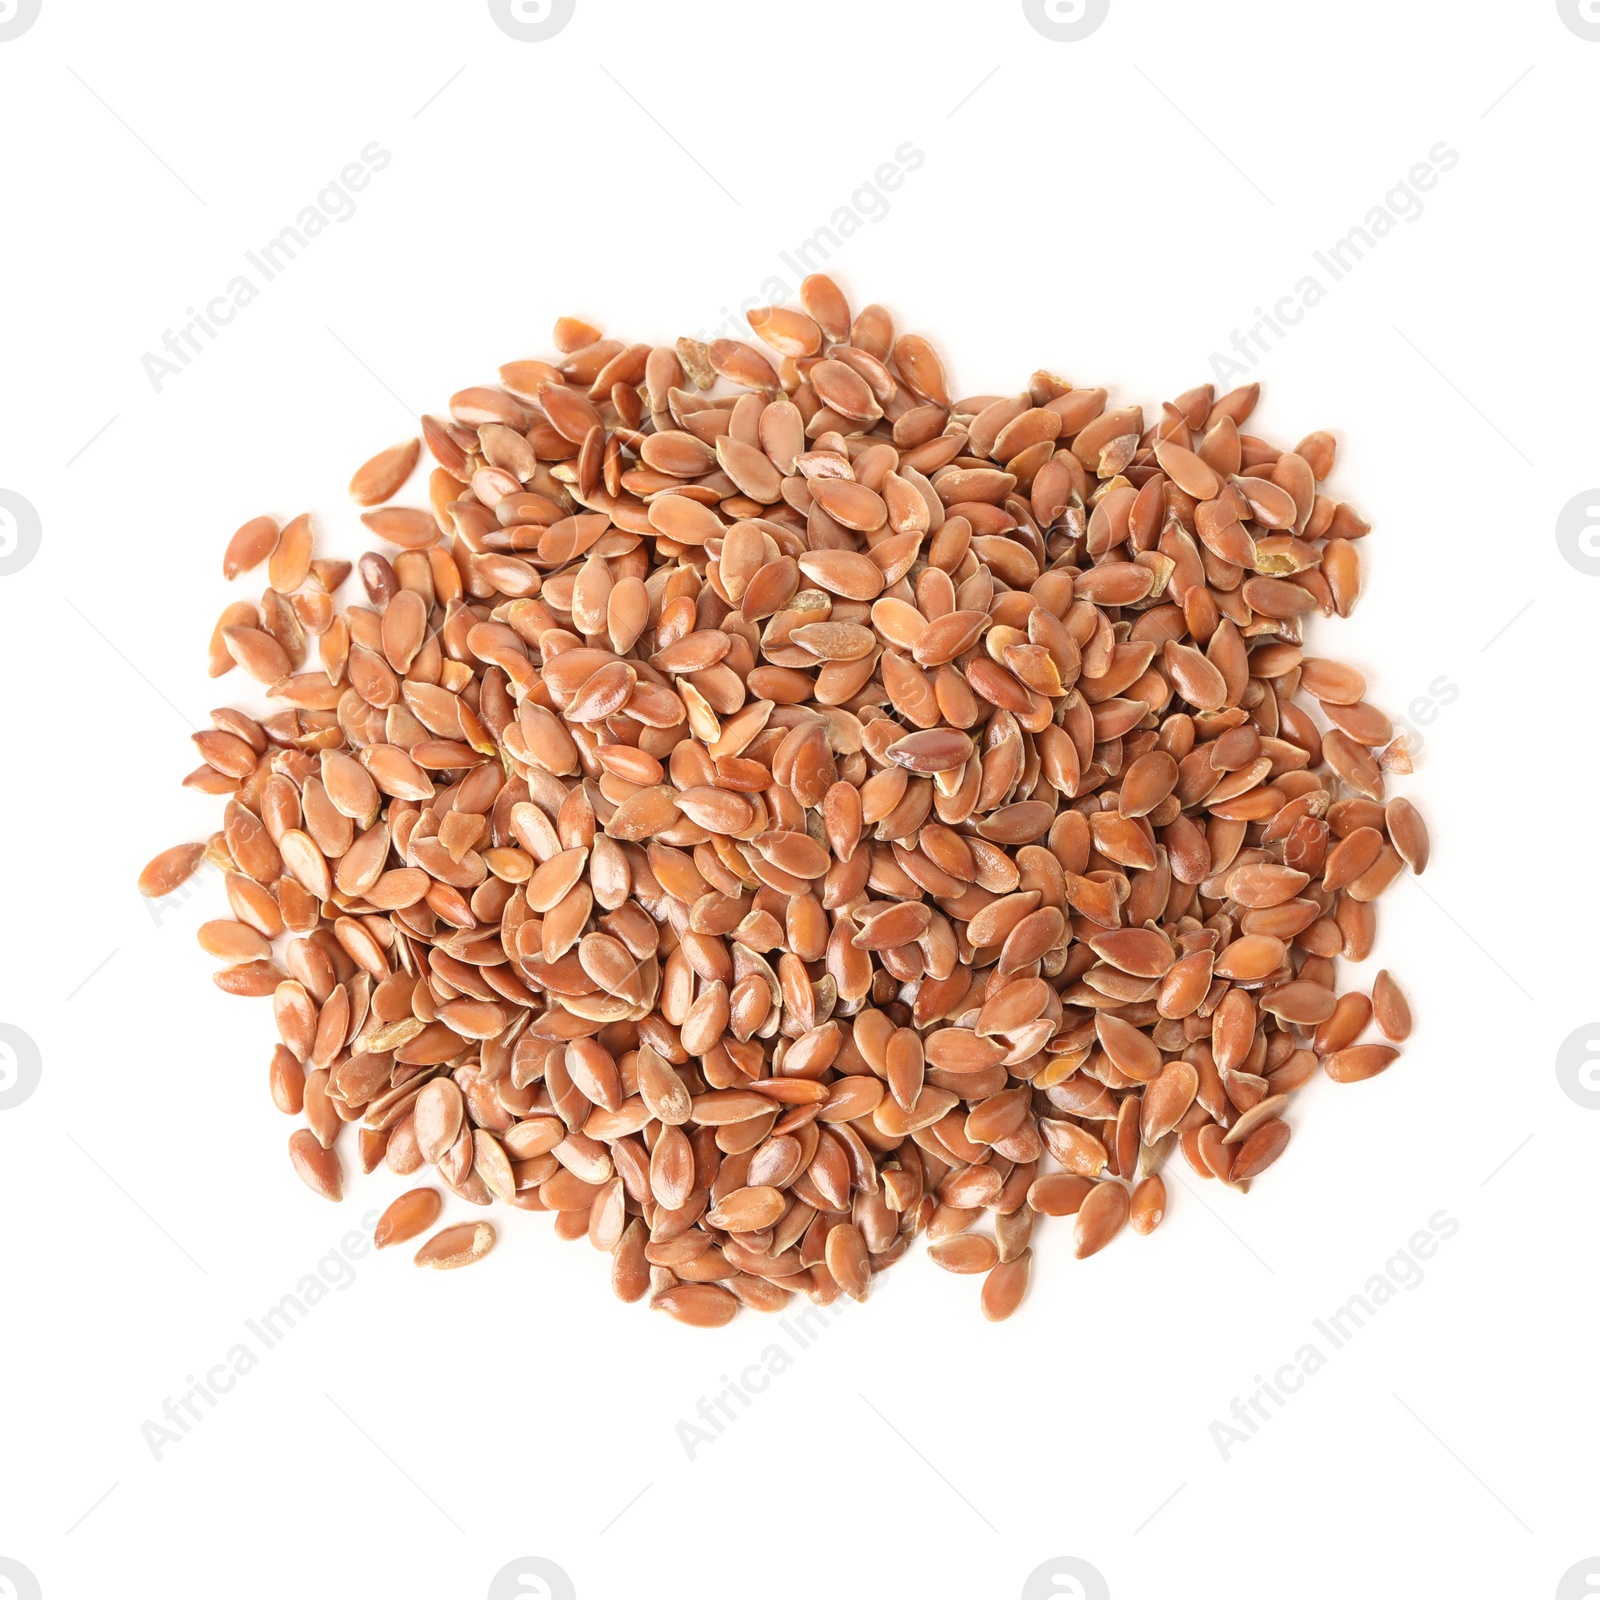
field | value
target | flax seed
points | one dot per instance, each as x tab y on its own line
767	809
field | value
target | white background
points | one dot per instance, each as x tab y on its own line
1111	209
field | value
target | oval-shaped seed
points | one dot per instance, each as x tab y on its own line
747	1210
1004	1288
318	1167
1143	952
1302	1004
1251	958
848	1260
439	1112
1059	1194
290	562
1100	1218
170	869
1148	1204
1407	832
697	1305
250	546
1260	1150
1359	1062
1131	1051
965	1253
408	1215
458	1246
1166	1099
1390	1009
384	475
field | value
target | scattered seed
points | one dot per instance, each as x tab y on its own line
412	1213
170	869
1390	1009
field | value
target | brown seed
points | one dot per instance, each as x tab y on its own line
290	562
965	1252
699	1305
848	1261
1260	1150
1100	1218
250	546
318	1167
747	1210
170	869
1148	1204
458	1246
262	656
1059	1194
1356	1063
1390	1009
1407	832
439	1110
1132	1052
1166	1099
412	1213
1005	1286
385	474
